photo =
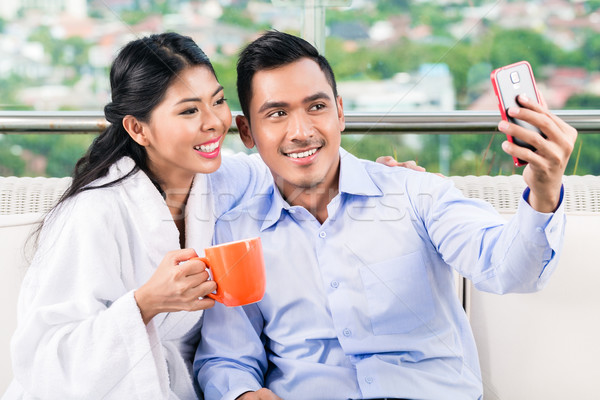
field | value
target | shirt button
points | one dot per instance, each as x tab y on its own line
369	379
322	234
347	332
335	284
539	230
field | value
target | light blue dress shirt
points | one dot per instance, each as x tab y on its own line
365	304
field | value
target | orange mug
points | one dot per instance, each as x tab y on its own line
238	268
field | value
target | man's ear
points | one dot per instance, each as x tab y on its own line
244	130
135	129
340	111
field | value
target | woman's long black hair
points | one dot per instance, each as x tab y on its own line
139	77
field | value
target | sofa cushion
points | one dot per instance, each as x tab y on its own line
15	251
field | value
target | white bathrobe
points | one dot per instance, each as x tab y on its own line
80	333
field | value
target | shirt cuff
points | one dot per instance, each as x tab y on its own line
542	228
560	200
238	391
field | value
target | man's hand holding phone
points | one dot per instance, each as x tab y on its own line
547	164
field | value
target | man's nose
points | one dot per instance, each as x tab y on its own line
300	127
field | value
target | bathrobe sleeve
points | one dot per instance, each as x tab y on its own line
80	333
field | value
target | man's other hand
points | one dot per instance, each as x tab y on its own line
261	394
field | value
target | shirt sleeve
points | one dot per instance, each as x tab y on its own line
231	358
497	254
240	178
80	333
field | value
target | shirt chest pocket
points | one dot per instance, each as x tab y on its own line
398	293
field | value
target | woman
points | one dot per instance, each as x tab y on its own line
108	309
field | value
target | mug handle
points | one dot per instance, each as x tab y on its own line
215	297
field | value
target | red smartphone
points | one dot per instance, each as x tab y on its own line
509	82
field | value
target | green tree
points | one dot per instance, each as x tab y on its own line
237	16
509	46
434	16
393	6
225	68
10	163
590	51
586	154
60	151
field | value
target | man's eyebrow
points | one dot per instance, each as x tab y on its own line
317	96
272	104
281	104
219	89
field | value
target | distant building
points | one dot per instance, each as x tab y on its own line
429	89
349	30
9	9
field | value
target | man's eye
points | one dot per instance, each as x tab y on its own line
317	107
276	114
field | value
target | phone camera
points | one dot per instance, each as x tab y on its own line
514	77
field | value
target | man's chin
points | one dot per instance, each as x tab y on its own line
301	184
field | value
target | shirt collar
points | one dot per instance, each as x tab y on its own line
354	180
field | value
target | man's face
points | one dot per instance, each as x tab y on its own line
296	125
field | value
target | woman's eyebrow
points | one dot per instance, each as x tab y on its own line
219	89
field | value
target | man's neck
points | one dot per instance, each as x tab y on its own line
314	199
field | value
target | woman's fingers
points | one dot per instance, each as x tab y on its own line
179	256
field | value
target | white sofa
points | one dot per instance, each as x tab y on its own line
23	201
534	346
544	345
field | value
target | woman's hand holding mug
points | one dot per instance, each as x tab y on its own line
180	283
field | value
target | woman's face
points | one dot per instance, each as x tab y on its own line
186	130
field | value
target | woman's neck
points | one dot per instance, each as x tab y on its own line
176	191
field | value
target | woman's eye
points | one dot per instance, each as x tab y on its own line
190	111
221	101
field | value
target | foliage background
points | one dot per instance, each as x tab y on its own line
470	62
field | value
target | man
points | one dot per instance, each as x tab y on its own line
360	300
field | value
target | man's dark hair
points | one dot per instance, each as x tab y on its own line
272	50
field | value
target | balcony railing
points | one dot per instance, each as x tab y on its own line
451	122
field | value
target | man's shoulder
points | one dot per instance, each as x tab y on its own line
384	176
249	213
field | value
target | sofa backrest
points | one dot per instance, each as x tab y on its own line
533	346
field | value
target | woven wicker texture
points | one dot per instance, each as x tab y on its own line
30	195
582	193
